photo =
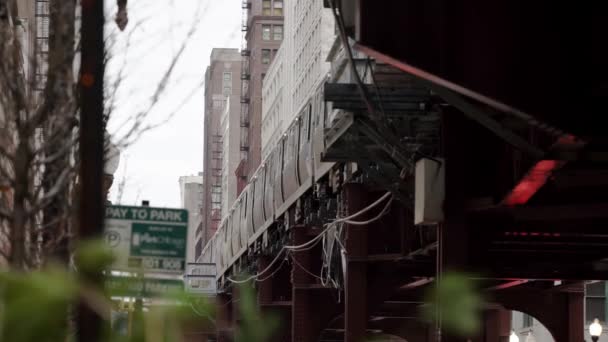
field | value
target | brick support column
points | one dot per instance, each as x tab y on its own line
271	303
452	232
576	316
264	288
235	311
302	314
223	320
496	325
355	317
562	313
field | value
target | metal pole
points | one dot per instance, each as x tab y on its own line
89	324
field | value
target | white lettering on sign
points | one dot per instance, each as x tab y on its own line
116	212
166	215
140	214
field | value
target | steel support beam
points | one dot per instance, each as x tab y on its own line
303	315
264	287
496	325
223	320
561	313
270	303
89	324
356	272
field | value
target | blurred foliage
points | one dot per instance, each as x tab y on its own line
36	306
458	302
93	256
254	326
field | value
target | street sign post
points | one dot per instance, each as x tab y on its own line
147	239
142	287
201	278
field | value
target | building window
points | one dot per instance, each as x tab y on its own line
227	77
265	56
528	321
198	249
219	104
277	8
265	32
266	9
595	301
277	32
227	90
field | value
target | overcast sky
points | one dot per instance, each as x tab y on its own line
156	31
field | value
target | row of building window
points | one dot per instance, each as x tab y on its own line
272	32
227	83
268	55
596	305
270	7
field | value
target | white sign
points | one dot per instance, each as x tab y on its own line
148	239
201	278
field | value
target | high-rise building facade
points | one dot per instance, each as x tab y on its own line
263	32
28	21
300	68
191	197
231	139
222	86
529	328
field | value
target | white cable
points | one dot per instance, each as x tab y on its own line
275	271
202	315
384	211
342	219
311	241
314	241
253	277
303	268
363	211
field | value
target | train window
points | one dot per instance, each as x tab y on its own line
294	140
307	122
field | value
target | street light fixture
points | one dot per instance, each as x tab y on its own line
513	337
595	330
530	337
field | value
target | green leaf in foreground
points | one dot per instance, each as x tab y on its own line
458	302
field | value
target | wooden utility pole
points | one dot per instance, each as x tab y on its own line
89	324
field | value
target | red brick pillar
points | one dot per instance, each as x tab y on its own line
223	320
264	287
561	312
271	303
576	316
496	325
355	317
302	314
235	310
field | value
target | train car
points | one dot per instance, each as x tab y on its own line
319	124
289	170
259	213
234	224
226	248
246	222
304	152
288	173
276	170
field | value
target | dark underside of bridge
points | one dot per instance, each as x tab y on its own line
507	99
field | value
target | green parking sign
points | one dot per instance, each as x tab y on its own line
146	238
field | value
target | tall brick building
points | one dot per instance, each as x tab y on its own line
222	86
262	36
299	69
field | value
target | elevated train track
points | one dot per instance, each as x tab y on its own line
524	206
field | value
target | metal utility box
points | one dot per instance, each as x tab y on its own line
429	191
